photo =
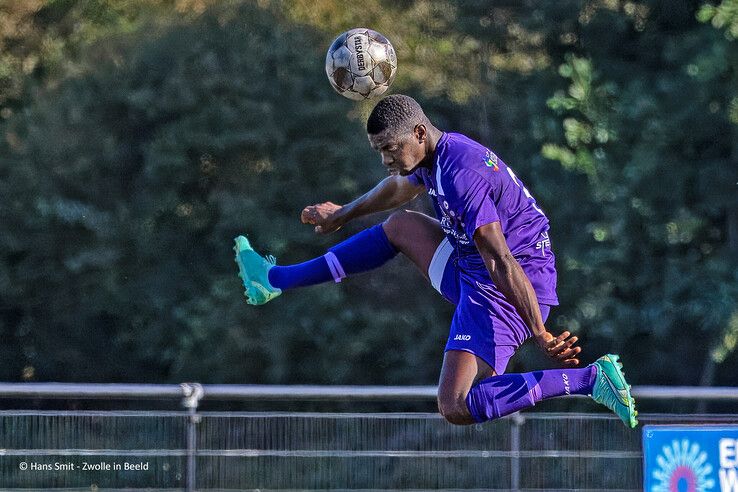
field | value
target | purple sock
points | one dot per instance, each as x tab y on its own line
311	272
562	382
498	396
364	251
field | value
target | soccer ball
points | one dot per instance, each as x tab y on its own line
361	64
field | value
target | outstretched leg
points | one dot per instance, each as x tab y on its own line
364	251
415	235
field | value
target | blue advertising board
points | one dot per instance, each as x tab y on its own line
690	458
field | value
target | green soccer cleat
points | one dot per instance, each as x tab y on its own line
611	389
254	272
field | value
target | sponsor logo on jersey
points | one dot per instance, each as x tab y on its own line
464	338
450	228
544	243
490	160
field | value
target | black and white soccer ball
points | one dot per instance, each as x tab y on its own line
361	64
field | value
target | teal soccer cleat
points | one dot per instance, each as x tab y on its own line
254	272
611	389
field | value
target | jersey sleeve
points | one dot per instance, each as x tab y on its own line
474	204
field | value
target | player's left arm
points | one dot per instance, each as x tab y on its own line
513	283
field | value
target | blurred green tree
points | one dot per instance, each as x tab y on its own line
140	137
652	133
128	184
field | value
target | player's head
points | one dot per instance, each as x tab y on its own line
398	130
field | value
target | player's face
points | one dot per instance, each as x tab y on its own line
401	154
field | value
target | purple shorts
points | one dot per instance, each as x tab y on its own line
484	323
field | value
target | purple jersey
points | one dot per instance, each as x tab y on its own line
471	187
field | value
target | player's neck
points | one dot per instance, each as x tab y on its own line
434	135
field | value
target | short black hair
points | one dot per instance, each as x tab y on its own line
397	113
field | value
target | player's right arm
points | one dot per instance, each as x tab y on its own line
389	193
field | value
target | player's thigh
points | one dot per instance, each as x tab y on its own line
415	235
485	326
459	372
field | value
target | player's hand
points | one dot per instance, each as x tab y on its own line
561	348
325	217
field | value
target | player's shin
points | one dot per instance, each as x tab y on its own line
498	396
364	251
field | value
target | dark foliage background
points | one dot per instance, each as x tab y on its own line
139	138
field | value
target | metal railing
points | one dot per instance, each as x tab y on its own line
192	393
301	450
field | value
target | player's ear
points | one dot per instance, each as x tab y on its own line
420	133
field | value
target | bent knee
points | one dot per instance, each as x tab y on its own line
408	228
396	223
454	410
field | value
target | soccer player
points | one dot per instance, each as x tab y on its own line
488	252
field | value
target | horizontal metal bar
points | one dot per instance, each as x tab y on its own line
94	452
90	390
496	487
251	392
311	453
328	453
725	393
332	393
644	418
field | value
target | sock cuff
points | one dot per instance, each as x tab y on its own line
334	266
